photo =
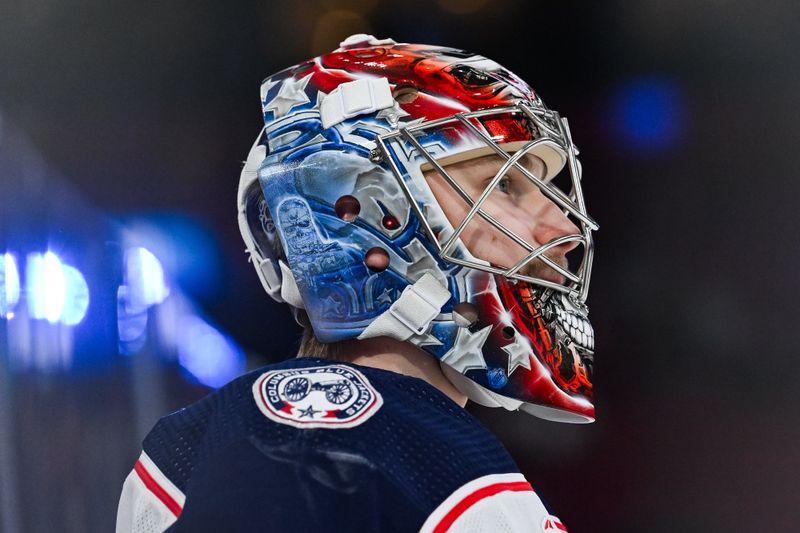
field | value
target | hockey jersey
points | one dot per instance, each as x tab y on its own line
316	445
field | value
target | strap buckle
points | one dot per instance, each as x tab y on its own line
414	309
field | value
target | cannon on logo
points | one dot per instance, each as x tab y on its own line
336	391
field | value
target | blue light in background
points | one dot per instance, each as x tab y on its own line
186	248
76	297
209	356
56	292
131	324
46	286
9	285
205	354
144	277
649	113
145	285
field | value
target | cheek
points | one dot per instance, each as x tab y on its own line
455	209
512	216
483	240
486	242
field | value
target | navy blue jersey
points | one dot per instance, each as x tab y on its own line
317	445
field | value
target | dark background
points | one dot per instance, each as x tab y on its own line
117	115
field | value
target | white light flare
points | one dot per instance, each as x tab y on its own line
9	286
208	355
76	296
506	318
144	277
46	286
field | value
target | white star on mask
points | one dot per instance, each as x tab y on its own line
386	297
425	339
518	354
392	114
291	93
265	88
467	351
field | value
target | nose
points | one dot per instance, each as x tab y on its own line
551	223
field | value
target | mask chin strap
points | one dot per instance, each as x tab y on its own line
290	293
412	313
487	398
475	392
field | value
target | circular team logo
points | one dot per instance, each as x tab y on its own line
332	396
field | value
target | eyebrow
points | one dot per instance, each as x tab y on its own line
527	161
535	164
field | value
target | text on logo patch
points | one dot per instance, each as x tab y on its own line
334	396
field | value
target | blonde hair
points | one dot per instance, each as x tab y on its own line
310	346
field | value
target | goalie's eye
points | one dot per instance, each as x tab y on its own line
504	185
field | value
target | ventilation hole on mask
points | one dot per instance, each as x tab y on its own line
347	208
405	94
465	314
509	332
390	222
377	259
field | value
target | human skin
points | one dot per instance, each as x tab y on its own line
516	202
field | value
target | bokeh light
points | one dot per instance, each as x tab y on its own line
46	286
649	113
76	296
131	324
145	285
144	277
185	247
55	292
209	356
9	285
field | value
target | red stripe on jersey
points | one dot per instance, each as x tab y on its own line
153	486
550	524
475	497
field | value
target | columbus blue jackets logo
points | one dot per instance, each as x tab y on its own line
334	396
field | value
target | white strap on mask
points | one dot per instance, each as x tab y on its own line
289	290
412	313
358	97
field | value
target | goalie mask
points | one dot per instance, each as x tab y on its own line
382	169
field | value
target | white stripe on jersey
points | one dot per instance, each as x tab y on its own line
497	503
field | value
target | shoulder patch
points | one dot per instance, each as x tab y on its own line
333	396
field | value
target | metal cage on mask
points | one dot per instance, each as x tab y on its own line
545	129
